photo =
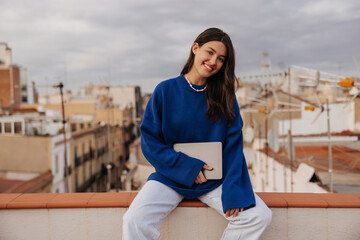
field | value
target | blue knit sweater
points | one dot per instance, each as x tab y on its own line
176	113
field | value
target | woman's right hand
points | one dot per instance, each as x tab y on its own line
201	178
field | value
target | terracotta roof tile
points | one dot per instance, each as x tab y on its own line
31	200
308	200
131	197
192	203
5	198
112	199
70	200
273	199
344	200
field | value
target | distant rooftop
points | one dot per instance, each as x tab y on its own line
346	164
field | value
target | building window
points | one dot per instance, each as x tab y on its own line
7	127
76	180
18	127
91	169
89	125
84	152
81	126
73	127
91	154
56	164
0	127
76	158
84	163
84	173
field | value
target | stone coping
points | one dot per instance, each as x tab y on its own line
124	199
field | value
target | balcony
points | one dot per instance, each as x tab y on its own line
99	216
78	161
86	157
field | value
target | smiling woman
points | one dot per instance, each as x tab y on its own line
197	106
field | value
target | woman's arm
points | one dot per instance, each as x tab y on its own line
237	190
174	165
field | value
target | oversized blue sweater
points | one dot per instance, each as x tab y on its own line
176	113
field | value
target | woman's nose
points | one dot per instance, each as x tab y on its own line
213	60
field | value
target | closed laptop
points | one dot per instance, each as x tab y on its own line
208	152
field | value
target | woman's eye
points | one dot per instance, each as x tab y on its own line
210	52
221	60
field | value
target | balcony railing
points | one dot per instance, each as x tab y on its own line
78	161
69	171
86	157
76	216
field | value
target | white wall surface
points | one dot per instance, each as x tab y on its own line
342	117
183	223
58	183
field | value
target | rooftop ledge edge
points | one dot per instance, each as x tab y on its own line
124	199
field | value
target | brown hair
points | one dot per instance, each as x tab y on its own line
220	91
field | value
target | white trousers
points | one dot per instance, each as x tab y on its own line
155	201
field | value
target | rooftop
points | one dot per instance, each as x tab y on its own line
346	164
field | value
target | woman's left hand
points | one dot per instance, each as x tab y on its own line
233	212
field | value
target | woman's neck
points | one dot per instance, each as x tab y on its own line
195	79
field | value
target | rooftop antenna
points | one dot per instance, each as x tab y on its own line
321	106
60	85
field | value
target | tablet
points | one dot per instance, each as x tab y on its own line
208	152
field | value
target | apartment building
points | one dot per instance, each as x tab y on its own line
93	106
10	89
98	154
118	97
31	146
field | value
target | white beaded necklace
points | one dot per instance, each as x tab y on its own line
197	90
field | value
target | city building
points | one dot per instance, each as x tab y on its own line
102	111
10	88
32	146
119	97
29	93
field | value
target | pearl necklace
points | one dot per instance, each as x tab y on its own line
197	90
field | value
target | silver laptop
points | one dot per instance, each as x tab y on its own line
208	152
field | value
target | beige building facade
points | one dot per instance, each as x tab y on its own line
96	165
10	90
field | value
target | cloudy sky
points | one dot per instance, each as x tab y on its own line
142	42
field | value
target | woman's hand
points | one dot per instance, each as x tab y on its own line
233	212
201	178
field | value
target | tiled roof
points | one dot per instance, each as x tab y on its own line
20	186
7	184
345	160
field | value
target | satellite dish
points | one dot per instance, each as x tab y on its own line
273	140
249	134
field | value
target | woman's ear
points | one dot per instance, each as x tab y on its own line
195	47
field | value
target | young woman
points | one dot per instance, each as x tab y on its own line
197	106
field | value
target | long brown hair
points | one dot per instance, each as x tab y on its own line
220	91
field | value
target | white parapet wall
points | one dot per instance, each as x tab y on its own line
184	223
89	216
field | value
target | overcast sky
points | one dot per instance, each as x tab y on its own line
142	42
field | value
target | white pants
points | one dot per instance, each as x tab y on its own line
155	201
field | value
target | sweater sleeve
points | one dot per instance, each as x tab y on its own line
237	191
175	166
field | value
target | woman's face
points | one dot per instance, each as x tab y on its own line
209	58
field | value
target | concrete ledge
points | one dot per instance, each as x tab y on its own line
124	199
92	216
